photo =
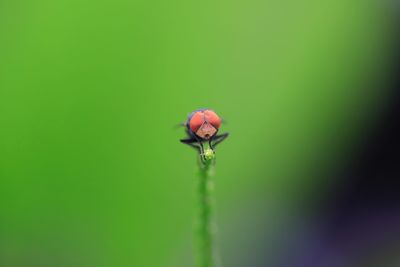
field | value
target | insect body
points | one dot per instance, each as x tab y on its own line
202	127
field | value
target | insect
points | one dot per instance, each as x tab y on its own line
202	126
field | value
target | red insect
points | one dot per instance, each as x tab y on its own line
202	125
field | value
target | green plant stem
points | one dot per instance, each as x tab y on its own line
205	249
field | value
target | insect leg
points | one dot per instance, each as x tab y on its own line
219	138
193	143
197	144
210	144
201	150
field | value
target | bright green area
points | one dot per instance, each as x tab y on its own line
91	170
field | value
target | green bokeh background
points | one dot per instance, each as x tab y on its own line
91	169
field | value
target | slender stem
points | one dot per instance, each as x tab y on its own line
205	227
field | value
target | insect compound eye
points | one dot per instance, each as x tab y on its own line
196	121
212	118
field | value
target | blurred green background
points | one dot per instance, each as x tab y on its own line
91	169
